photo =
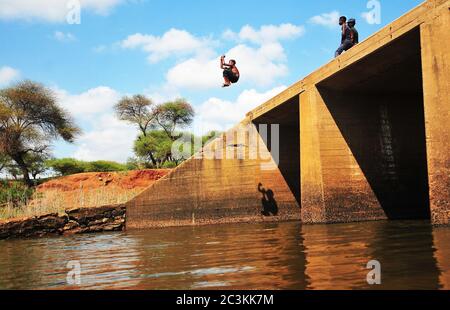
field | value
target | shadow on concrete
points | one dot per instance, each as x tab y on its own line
268	202
377	103
288	118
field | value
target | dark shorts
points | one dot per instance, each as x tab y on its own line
345	46
230	76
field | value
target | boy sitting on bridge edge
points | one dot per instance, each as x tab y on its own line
346	37
354	35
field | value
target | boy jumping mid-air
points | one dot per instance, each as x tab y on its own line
230	71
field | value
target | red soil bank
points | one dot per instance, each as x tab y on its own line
96	189
139	179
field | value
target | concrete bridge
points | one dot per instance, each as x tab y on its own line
365	137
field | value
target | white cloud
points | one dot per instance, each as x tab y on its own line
218	114
174	42
195	73
64	37
90	103
109	139
266	33
99	48
104	136
51	10
8	75
329	20
262	65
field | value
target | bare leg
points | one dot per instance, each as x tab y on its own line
227	81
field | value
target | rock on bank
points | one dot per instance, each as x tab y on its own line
74	221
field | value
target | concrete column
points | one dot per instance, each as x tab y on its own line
436	74
312	200
334	187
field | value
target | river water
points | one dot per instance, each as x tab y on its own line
412	254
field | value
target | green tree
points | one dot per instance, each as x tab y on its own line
4	161
104	166
140	111
137	163
30	119
67	166
133	163
13	170
153	145
156	143
174	115
210	136
37	163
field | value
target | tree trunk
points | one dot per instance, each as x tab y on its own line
23	167
152	158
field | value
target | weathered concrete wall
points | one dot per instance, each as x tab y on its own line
334	188
213	190
436	77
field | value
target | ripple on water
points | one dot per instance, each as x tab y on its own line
250	256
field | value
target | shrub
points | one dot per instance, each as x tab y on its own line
104	166
14	193
169	165
67	166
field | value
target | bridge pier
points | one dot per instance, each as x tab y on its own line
436	76
363	140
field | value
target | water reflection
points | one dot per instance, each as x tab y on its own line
106	261
238	256
241	256
441	237
337	255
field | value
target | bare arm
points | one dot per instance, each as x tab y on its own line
222	63
261	189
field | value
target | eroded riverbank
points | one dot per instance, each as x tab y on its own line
74	221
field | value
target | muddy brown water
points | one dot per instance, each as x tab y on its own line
412	254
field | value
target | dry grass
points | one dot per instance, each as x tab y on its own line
84	190
57	201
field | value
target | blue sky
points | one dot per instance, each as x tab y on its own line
168	49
